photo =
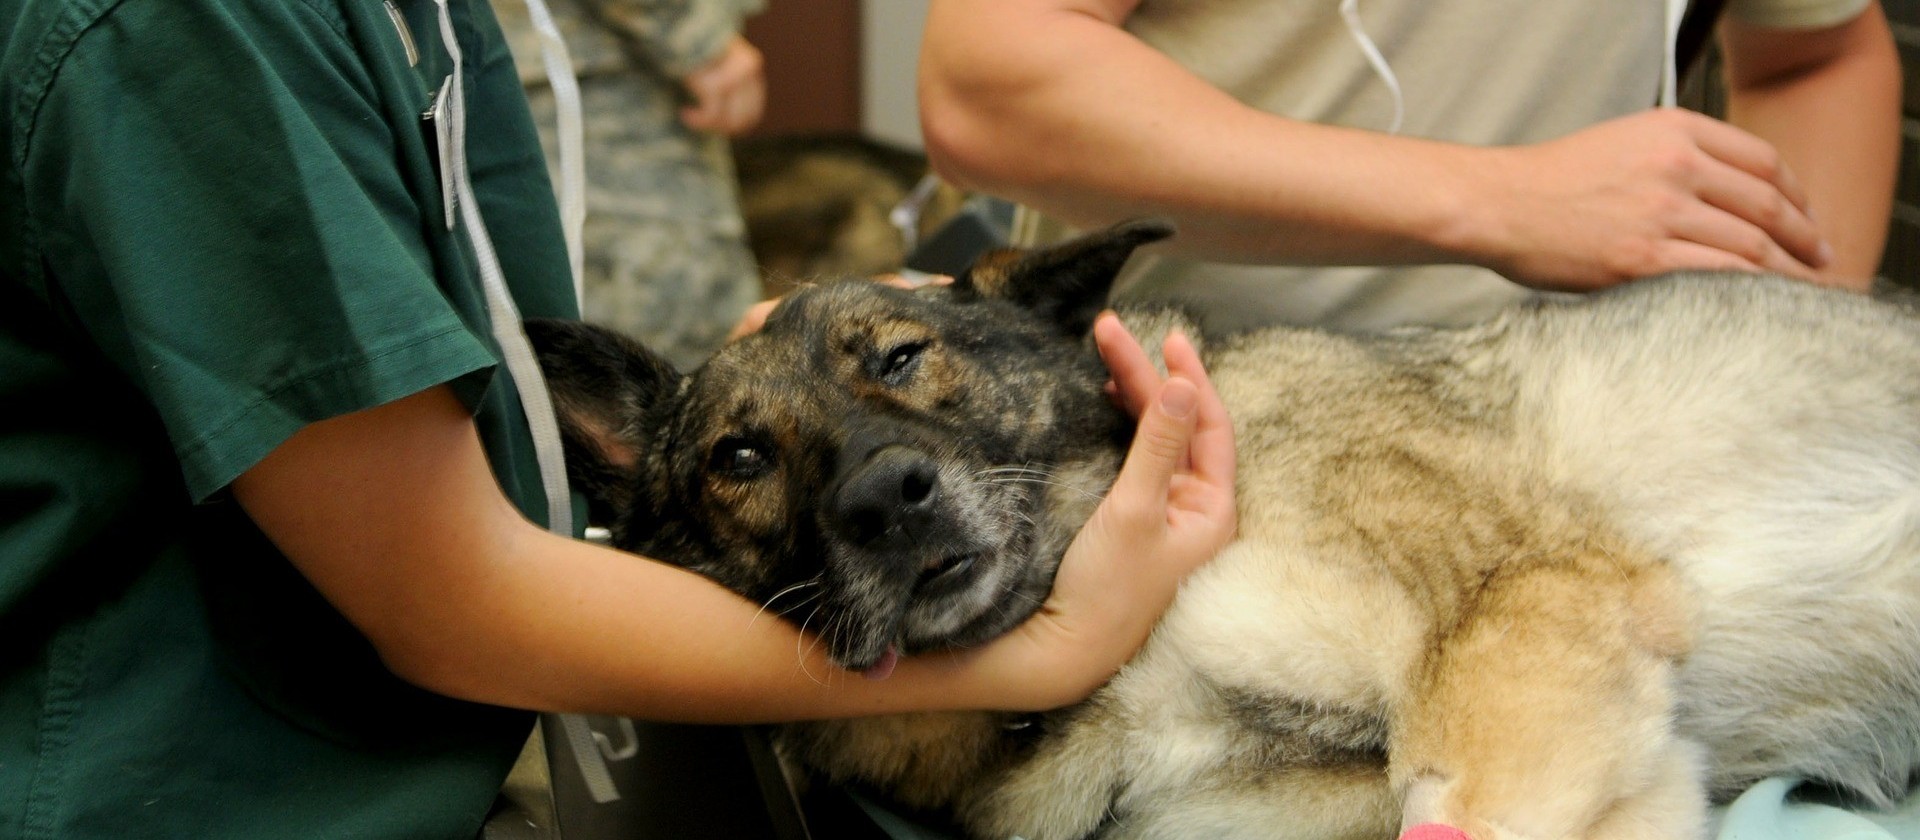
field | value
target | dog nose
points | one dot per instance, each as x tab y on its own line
887	501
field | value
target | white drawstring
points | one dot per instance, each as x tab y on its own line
1350	12
1669	71
570	132
515	350
905	216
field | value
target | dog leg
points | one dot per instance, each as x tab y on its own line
1545	712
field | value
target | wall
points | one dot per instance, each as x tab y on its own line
890	46
812	50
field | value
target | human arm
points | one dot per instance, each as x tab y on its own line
1051	103
394	516
1829	99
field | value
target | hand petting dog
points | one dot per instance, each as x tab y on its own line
1172	506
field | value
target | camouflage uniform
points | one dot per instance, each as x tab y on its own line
666	254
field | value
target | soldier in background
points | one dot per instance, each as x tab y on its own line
663	84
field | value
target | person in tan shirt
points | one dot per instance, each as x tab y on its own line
1529	154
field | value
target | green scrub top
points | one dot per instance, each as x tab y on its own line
220	221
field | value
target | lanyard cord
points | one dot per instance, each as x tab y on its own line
1350	12
515	350
570	133
1670	68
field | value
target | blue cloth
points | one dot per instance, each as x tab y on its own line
1775	810
1770	810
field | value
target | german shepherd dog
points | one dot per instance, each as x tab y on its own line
1574	572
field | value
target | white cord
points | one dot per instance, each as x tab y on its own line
1350	12
905	215
570	132
515	350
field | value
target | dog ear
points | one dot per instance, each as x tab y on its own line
603	386
1065	283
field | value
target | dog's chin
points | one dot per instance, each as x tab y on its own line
966	598
999	592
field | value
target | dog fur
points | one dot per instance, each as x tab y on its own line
1575	572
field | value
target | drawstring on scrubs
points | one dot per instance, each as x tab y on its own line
515	349
1350	13
1676	10
505	316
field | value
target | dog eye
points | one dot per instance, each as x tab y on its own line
739	458
900	362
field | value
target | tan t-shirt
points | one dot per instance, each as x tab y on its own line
1484	72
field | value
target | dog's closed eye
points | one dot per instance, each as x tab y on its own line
899	362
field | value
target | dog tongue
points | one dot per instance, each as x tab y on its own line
884	668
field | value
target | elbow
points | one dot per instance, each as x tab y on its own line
984	116
960	143
427	665
461	671
454	653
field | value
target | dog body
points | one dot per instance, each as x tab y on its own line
1570	573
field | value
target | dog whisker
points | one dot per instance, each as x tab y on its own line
800	655
808	599
813	581
1015	476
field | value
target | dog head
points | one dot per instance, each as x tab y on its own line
896	470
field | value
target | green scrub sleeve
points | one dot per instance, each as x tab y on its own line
234	232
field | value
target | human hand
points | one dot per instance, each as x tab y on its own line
756	315
1644	194
1170	509
754	318
729	93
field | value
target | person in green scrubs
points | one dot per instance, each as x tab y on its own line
272	561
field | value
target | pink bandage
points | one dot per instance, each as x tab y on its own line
1434	831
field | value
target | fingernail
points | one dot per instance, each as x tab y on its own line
1826	254
1433	831
1177	398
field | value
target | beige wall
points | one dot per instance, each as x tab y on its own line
889	47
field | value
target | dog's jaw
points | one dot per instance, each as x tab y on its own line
1018	523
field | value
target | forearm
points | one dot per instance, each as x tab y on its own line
1836	123
553	624
395	517
1061	109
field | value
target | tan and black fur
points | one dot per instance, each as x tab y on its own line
1571	573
